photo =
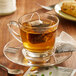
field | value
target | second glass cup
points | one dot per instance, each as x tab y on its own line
37	33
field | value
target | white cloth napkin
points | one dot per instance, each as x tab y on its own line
52	71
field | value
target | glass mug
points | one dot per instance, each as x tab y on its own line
37	33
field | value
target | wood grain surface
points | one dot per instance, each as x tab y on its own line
24	7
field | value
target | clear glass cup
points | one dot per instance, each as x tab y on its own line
37	33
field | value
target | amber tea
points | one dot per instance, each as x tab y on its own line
35	39
37	33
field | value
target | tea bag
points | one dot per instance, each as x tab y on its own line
36	27
36	22
65	43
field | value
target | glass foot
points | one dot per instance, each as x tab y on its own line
36	57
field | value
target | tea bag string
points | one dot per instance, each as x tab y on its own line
37	15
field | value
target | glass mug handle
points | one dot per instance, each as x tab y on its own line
12	31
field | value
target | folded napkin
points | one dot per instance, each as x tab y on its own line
52	71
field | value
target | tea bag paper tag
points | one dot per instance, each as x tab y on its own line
65	43
36	22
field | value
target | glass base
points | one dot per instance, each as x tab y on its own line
14	52
36	57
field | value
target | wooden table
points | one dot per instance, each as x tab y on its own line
24	7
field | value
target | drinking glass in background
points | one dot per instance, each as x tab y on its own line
7	7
